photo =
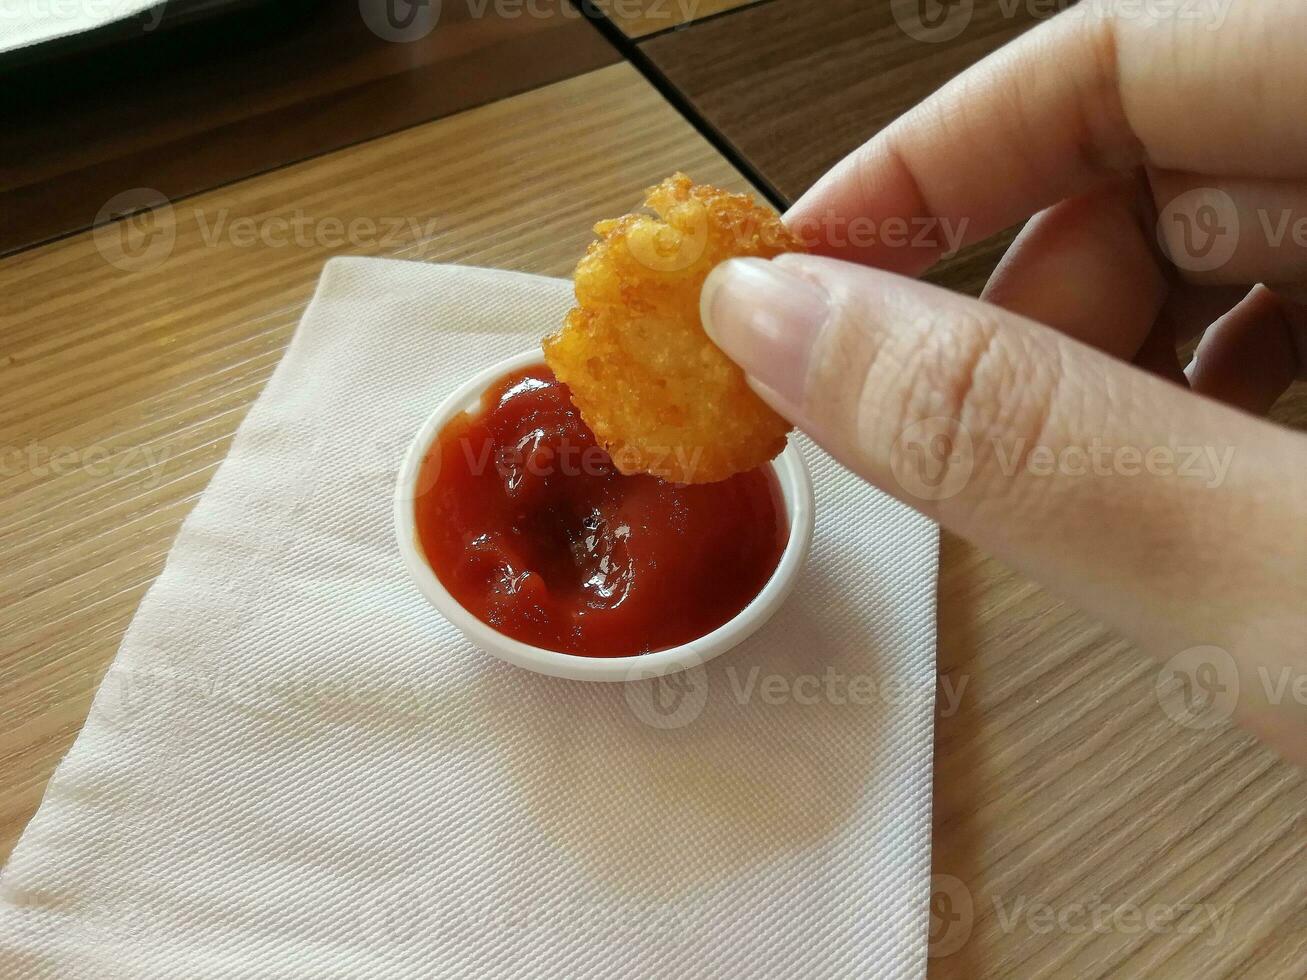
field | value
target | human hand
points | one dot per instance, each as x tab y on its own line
1045	422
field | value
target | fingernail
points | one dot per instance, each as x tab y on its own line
766	320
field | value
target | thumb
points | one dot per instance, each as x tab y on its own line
1149	506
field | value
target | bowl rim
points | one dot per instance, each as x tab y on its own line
796	492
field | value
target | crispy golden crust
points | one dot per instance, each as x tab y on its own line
658	394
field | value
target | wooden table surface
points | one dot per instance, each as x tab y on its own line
300	79
1079	831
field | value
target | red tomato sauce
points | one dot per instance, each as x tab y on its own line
528	524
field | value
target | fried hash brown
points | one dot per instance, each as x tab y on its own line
658	394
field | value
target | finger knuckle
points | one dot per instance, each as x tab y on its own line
997	386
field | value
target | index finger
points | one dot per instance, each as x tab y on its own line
1081	97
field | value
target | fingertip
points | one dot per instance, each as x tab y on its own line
766	319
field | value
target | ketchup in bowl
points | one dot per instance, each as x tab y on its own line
531	528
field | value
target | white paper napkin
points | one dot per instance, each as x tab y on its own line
296	768
27	22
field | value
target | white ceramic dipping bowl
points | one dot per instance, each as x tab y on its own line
796	491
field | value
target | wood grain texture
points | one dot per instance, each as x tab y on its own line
185	111
1063	789
1060	783
796	86
640	18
